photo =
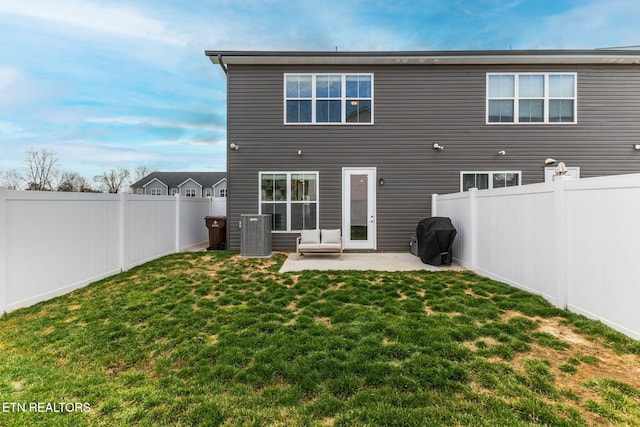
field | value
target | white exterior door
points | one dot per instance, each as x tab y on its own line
359	208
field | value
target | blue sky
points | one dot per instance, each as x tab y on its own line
108	84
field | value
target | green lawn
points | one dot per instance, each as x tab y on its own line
211	339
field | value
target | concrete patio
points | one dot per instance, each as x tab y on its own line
379	261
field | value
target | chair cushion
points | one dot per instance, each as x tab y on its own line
310	236
330	246
330	236
306	246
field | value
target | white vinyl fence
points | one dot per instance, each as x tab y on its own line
575	242
53	242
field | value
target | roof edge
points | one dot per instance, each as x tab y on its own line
603	56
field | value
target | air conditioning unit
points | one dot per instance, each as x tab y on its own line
255	235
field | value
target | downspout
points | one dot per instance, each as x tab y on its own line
222	65
226	214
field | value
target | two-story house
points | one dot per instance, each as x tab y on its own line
187	184
361	140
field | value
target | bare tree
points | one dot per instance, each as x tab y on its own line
41	169
141	171
113	180
73	181
12	179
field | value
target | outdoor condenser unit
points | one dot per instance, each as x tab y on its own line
255	235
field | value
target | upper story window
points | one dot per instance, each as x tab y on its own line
328	98
156	191
208	192
531	98
190	192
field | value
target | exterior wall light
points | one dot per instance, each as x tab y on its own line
636	147
502	153
437	146
234	146
381	181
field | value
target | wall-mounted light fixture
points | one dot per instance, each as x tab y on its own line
549	161
502	153
636	147
381	181
234	146
299	152
437	146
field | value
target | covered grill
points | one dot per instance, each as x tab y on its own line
435	238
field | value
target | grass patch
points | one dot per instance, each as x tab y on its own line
213	339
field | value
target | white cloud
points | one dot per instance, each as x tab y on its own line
96	17
485	8
210	143
78	153
601	23
18	90
7	128
8	77
155	122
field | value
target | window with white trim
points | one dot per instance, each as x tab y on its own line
487	180
190	192
291	198
156	191
223	192
328	98
174	191
139	190
531	98
208	192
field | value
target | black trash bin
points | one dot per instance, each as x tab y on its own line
217	232
435	239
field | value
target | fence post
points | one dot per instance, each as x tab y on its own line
121	231
434	205
177	222
560	243
473	229
4	275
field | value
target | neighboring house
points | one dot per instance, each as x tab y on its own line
354	139
187	184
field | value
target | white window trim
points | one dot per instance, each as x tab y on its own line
190	190
156	180
343	99
490	173
154	190
288	202
516	98
222	192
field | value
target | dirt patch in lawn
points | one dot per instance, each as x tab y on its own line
591	360
489	341
624	368
324	321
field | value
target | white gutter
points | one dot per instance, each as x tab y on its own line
424	58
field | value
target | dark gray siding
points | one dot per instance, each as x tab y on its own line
416	106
